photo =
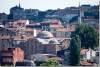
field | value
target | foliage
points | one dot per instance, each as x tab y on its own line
74	19
89	36
40	17
74	58
37	19
50	63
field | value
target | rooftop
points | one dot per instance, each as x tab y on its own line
45	34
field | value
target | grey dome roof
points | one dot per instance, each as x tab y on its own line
47	41
53	41
45	34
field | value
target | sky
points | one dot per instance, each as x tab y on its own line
43	5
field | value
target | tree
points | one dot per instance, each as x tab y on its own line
50	63
89	36
74	56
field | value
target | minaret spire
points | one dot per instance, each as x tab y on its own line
80	15
19	3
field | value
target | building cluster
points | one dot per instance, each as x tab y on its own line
46	37
20	13
11	55
22	38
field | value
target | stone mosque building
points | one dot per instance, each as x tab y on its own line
44	43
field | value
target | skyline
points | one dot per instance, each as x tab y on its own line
43	4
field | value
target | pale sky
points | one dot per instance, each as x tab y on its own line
5	5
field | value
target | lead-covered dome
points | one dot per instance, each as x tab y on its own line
45	34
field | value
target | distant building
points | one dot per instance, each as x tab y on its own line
11	37
39	26
17	13
3	18
30	13
11	55
54	26
60	31
88	54
18	24
6	38
44	42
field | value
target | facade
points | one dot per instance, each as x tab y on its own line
11	55
9	38
3	17
39	26
43	43
60	31
54	26
30	13
17	13
20	13
88	54
18	24
6	39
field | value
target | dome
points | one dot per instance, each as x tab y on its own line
45	34
53	41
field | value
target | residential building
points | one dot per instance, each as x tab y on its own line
88	54
6	38
18	24
3	18
8	56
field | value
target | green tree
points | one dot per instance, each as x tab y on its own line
89	36
50	63
74	56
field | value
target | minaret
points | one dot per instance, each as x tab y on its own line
19	3
80	15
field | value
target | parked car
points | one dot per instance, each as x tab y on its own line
25	63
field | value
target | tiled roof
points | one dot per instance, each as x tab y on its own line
20	38
85	63
5	37
56	26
